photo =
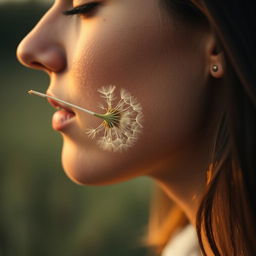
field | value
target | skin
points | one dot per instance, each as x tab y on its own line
165	63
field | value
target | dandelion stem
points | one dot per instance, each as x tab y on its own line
110	118
66	103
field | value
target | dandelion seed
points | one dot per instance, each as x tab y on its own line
122	122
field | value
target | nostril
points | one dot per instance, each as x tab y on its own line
36	64
39	66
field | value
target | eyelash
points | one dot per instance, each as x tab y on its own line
85	9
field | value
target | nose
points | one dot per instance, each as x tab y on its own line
42	49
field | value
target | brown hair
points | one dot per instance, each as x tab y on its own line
229	200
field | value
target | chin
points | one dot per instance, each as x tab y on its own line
87	167
78	167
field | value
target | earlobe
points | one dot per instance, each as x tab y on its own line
216	58
216	70
217	64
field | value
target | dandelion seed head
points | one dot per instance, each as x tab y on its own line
122	122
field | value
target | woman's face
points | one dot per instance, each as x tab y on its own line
131	44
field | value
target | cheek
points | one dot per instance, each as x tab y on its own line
119	54
150	65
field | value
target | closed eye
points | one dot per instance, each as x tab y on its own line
85	9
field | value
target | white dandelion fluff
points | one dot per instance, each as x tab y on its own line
122	120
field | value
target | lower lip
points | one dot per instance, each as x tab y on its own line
61	119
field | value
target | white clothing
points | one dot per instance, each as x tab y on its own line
184	243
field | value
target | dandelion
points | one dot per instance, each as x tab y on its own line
122	121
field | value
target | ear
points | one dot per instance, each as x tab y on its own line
215	57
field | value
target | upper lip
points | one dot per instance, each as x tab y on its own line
57	105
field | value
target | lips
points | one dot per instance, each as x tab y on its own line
58	105
61	118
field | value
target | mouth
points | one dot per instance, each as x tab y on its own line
59	106
62	117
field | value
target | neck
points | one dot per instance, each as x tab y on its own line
183	176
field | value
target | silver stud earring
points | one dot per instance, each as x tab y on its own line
215	68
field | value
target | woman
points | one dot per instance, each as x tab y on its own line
190	64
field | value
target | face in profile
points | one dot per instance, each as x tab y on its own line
132	44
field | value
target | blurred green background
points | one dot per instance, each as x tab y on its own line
42	211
